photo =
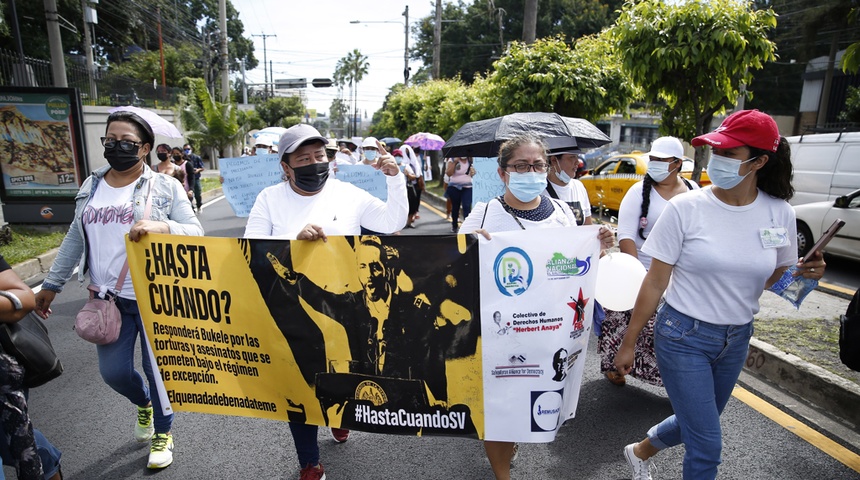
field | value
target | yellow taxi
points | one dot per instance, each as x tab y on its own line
608	182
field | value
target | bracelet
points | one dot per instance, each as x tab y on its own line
16	302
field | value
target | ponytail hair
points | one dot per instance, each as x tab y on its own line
774	178
646	203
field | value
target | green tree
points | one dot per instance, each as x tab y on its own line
211	124
145	66
549	76
281	111
475	35
692	57
338	112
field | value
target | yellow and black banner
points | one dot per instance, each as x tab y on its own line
380	334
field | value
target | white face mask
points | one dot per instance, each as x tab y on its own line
261	151
723	171
658	171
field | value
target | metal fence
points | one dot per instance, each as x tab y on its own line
106	88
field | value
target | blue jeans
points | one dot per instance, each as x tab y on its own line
116	364
458	196
700	363
307	448
48	454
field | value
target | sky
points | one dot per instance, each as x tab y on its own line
311	36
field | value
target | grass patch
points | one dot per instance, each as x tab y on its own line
29	243
207	184
814	340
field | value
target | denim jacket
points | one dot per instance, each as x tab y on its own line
169	204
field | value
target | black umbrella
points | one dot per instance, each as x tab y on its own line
483	138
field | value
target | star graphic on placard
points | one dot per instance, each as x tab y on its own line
578	307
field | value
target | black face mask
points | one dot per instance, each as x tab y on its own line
119	159
177	158
311	178
162	156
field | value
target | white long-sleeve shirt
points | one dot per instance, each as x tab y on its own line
340	208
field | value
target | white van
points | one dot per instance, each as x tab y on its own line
826	166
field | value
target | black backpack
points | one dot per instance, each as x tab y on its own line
849	334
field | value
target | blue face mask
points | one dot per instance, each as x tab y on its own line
563	176
370	154
526	186
262	151
723	171
658	171
399	160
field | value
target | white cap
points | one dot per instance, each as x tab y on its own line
666	147
369	142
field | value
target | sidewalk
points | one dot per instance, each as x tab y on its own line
829	392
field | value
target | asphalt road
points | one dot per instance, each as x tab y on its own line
92	425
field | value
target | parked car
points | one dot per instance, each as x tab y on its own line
825	166
814	218
608	182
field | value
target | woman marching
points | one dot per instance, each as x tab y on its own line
109	205
523	169
721	247
640	209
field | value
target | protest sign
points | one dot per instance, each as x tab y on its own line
364	177
245	177
379	334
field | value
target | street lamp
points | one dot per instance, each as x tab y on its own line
405	43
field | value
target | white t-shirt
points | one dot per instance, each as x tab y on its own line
340	208
576	197
629	214
720	263
107	218
497	219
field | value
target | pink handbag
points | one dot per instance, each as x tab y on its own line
99	321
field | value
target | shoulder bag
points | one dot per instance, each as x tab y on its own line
27	340
849	334
100	321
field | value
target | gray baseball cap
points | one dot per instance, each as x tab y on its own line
297	135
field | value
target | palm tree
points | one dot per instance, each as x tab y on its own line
351	69
214	124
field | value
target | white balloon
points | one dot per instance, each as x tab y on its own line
619	277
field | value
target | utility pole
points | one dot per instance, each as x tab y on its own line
437	40
89	14
828	82
58	63
265	61
225	63
406	47
244	84
530	21
161	52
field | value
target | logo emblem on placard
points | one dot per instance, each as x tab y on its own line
371	392
546	410
514	272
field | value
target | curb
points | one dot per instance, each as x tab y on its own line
827	391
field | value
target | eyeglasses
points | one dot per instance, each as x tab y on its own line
124	145
525	167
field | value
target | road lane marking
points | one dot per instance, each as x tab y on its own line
837	288
433	209
786	421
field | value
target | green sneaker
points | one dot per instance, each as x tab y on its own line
144	429
160	451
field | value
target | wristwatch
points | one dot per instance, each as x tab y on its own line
16	302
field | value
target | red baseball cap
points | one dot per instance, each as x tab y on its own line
750	128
